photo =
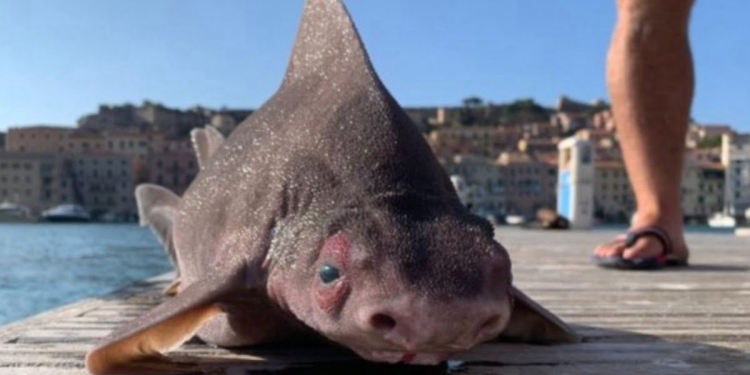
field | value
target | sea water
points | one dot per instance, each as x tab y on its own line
43	266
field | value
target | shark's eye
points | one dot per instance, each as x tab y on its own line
328	273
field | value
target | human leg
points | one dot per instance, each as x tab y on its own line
650	79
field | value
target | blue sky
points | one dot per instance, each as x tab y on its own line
61	59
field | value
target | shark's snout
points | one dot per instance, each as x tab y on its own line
421	323
432	330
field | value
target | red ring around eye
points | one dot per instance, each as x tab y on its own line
337	248
329	297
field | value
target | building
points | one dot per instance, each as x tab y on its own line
614	200
174	166
2	141
38	139
604	120
30	179
575	187
613	197
692	209
148	116
710	189
569	123
425	117
530	181
479	182
705	135
101	182
706	131
735	157
485	141
538	145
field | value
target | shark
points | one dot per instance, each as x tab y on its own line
326	214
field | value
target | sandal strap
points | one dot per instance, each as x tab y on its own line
634	235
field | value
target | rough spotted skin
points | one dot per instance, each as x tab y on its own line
343	156
329	174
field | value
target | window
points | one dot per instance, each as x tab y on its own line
585	154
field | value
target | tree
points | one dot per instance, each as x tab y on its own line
472	102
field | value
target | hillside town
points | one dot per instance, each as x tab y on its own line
502	158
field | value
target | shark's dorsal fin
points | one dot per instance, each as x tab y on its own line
328	46
205	143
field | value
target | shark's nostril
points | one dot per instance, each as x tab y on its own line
382	322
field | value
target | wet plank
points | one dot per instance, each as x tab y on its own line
677	321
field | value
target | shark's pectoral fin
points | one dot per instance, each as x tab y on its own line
530	322
157	208
135	352
141	342
205	143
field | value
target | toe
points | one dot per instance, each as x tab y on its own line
646	247
611	249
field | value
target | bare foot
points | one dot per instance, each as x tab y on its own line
647	246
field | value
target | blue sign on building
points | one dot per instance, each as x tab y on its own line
564	194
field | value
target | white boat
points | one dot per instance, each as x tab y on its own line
515	219
14	213
66	213
721	220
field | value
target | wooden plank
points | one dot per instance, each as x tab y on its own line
691	321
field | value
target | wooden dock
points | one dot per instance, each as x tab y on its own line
678	321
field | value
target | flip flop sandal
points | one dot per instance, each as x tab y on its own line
666	258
